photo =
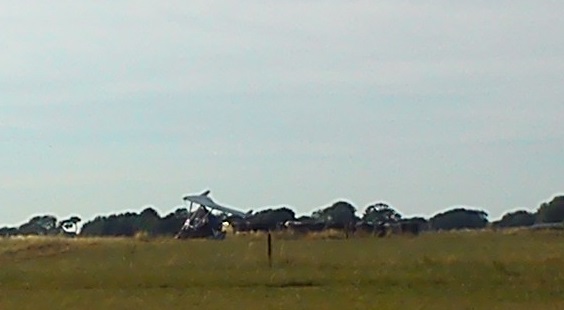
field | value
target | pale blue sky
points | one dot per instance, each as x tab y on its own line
110	106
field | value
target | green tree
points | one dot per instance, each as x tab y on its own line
94	227
380	213
519	218
459	218
39	225
551	212
271	219
339	215
8	231
148	221
125	224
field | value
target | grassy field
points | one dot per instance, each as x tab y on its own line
465	270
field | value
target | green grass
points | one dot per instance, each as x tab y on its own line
466	270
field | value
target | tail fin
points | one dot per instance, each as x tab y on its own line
207	192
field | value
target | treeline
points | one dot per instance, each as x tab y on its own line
340	215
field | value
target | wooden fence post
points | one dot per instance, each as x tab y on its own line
269	253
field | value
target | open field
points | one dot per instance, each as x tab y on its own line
465	270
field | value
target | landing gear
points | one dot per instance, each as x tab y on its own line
200	232
201	224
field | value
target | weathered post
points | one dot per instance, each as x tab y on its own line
269	249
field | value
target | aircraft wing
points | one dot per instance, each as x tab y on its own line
206	201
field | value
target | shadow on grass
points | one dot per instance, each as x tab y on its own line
277	285
293	284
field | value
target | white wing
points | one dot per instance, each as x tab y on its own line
204	200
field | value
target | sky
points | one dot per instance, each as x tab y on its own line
113	106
